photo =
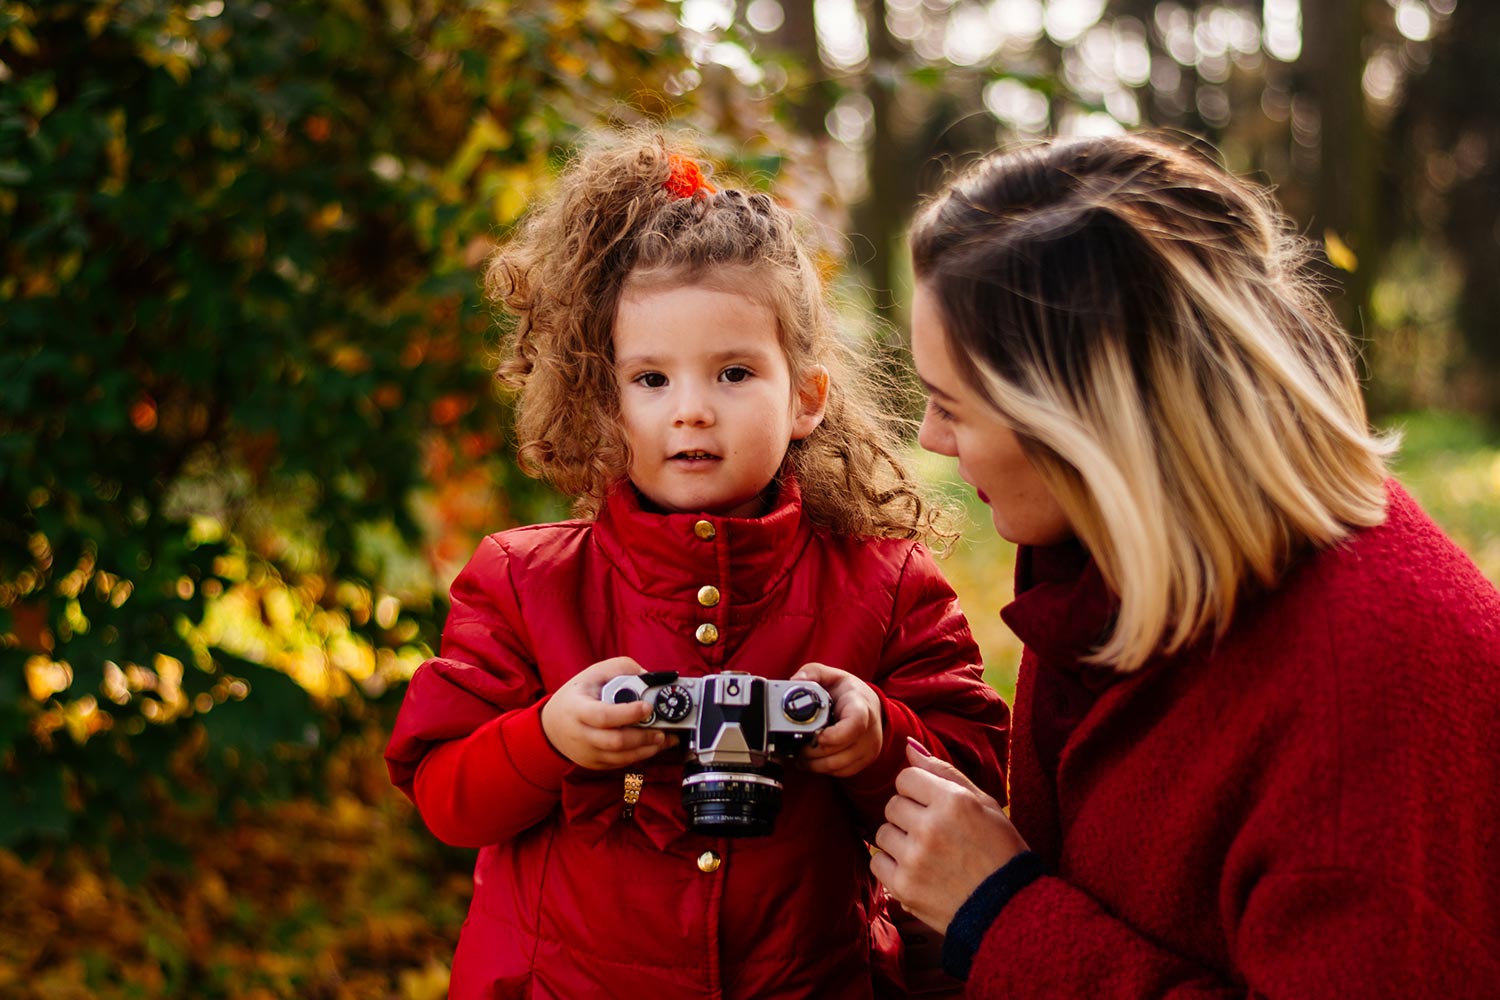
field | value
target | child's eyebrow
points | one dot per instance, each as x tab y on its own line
717	358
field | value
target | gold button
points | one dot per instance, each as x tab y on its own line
708	595
707	634
708	862
705	530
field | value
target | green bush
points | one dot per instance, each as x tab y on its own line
243	353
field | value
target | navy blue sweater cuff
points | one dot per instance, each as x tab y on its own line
980	910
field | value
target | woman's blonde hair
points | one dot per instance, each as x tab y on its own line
1148	325
613	225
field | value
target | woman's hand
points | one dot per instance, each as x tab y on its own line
943	838
598	736
854	739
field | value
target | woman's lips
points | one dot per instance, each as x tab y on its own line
982	497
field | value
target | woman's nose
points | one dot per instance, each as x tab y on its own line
935	436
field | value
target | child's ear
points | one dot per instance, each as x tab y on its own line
811	402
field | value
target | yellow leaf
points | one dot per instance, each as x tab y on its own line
178	67
46	677
328	217
510	202
98	19
485	135
1339	254
44	102
68	265
430	983
23	41
350	358
570	64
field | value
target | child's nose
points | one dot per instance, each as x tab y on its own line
693	409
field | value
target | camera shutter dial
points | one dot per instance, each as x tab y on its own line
673	703
801	704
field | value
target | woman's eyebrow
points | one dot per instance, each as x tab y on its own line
933	390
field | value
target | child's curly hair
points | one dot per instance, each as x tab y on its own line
613	224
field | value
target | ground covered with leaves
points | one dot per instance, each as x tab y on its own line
346	898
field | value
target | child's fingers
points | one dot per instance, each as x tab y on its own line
828	743
834	765
840	734
624	740
591	679
850	760
818	673
601	715
624	758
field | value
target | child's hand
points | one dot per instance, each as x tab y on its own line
598	736
853	741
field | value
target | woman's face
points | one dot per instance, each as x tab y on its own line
959	423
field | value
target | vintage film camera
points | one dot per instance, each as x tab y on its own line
735	725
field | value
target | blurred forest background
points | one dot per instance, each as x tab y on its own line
248	432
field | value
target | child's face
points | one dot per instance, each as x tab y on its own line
706	398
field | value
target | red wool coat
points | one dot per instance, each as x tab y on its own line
1307	807
573	899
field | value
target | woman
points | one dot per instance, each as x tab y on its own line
1256	744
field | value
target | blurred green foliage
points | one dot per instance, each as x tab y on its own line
243	351
1451	463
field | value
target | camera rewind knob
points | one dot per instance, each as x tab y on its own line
801	704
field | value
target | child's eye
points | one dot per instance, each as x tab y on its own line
735	373
938	411
651	380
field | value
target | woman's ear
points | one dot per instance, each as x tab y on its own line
811	402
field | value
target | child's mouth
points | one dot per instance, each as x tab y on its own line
695	456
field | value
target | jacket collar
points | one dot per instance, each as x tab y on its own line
1063	608
667	555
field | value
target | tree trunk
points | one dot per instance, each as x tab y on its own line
1344	185
881	217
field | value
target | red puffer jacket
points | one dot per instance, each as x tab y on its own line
574	899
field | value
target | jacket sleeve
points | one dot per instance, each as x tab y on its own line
468	746
932	689
1321	933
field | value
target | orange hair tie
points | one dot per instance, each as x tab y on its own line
685	179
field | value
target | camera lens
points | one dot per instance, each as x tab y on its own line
729	801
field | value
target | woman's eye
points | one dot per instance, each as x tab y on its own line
735	373
651	380
938	411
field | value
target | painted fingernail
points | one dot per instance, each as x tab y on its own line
919	748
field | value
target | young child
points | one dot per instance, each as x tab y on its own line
742	508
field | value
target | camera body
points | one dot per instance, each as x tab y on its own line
735	726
